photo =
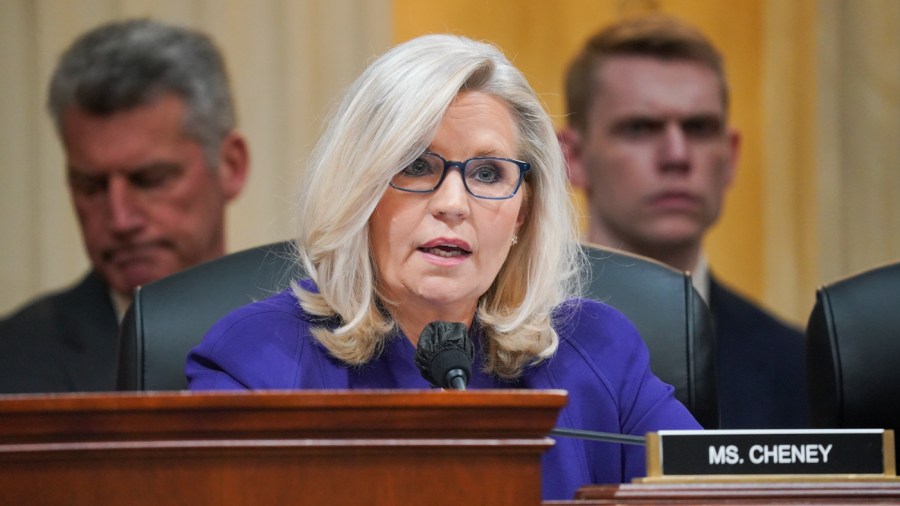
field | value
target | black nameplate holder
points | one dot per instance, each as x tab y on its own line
770	455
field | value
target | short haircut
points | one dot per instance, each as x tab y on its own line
385	120
654	36
122	65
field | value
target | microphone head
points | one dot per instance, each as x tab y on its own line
445	352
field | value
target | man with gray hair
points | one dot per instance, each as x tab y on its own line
146	119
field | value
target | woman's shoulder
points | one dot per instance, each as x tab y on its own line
279	314
597	335
579	318
605	366
284	302
260	345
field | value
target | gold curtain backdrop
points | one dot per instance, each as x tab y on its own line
815	86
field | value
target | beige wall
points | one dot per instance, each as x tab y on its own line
858	134
815	86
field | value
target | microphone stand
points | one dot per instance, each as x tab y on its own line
599	436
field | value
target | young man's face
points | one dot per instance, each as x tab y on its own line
656	156
147	202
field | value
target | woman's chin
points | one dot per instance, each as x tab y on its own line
446	297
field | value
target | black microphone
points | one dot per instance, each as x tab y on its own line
444	355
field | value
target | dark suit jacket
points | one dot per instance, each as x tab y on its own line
63	342
761	365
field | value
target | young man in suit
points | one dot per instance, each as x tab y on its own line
145	115
649	141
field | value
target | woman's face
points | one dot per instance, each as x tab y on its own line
437	253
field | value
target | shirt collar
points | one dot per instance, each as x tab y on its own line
700	277
120	304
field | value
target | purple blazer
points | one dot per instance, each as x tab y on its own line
601	362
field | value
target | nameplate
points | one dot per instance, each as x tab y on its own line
827	452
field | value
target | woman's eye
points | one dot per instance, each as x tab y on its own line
418	168
486	174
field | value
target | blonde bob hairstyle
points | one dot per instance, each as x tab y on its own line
385	120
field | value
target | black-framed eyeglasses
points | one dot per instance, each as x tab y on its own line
485	177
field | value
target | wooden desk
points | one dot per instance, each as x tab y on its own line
311	448
745	493
436	448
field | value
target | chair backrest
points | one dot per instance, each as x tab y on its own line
671	317
853	352
170	316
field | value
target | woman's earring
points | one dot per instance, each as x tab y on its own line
515	239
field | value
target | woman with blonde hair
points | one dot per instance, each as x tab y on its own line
438	193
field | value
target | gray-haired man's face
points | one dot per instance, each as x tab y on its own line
147	203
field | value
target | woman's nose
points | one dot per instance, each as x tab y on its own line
450	200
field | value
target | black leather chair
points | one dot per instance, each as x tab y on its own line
671	317
853	347
170	316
